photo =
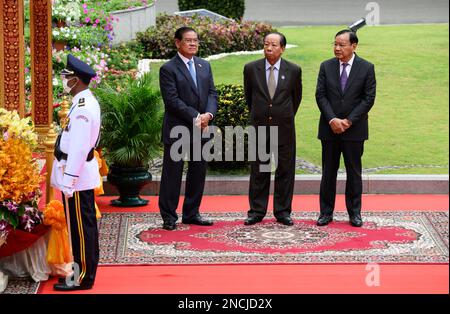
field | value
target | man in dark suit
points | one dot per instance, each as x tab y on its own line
273	92
190	100
345	93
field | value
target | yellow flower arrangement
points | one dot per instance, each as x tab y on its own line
19	174
11	125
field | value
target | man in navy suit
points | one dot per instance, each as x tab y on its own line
190	100
345	93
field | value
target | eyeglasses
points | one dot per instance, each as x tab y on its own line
271	44
191	41
339	45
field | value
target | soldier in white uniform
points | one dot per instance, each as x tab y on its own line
75	172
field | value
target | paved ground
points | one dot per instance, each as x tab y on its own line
335	12
308	167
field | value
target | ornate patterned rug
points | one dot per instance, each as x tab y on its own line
21	286
386	237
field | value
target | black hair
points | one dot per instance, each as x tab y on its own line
85	80
283	41
352	35
184	29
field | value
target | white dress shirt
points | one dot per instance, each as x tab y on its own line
186	60
348	67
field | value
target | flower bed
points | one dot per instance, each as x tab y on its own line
95	57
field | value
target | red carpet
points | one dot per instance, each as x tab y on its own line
275	278
258	279
386	237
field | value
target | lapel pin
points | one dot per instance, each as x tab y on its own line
199	65
282	77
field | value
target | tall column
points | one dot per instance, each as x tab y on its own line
12	56
41	66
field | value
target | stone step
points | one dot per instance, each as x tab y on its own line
310	184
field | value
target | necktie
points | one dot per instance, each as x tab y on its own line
271	83
192	71
344	76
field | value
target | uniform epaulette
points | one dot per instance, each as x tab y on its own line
81	102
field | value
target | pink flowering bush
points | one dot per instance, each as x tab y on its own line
97	14
94	16
215	37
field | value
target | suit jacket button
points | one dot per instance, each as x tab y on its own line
270	118
270	105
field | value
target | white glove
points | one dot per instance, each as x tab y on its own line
67	191
198	122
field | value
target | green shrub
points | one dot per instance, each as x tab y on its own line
116	5
232	111
215	37
230	8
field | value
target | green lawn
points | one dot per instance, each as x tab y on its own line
409	121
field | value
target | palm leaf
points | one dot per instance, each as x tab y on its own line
131	122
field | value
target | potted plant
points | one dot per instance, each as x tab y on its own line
130	135
66	12
64	36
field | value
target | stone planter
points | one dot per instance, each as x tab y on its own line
132	21
129	182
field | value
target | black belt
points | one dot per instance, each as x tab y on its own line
60	155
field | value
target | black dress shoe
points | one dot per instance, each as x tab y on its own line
65	287
324	220
168	225
252	220
356	221
197	221
287	221
63	279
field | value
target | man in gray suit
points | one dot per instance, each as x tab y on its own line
190	100
273	92
345	93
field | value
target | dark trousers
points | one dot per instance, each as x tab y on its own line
331	154
284	184
84	233
169	192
